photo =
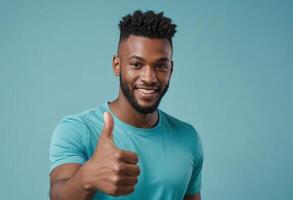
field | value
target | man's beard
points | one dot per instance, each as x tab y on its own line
131	99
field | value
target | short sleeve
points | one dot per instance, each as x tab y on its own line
68	142
194	185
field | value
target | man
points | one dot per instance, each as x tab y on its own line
128	148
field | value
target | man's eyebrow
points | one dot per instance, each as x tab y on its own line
136	57
163	59
142	59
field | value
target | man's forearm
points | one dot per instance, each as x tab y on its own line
70	189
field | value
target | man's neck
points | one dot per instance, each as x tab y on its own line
126	113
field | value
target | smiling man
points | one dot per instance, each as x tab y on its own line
128	148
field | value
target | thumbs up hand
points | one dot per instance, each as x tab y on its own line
110	170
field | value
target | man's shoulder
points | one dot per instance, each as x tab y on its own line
84	118
176	123
186	132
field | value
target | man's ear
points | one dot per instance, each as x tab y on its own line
116	65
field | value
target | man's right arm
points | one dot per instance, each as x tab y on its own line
66	183
110	170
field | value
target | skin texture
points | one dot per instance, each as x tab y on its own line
140	63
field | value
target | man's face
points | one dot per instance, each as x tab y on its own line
145	68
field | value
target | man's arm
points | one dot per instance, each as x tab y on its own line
66	183
110	170
193	197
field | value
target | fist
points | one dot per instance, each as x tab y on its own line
110	170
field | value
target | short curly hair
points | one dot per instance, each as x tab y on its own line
147	24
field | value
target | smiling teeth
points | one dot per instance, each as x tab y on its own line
146	91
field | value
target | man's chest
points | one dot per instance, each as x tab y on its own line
164	163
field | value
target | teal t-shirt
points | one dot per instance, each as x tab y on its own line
170	154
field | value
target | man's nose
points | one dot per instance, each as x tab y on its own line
149	75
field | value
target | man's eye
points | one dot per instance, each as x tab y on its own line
162	66
135	65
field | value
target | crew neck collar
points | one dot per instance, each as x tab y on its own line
123	124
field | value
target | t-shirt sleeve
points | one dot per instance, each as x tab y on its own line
68	142
194	185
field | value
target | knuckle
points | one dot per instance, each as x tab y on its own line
116	180
118	155
118	168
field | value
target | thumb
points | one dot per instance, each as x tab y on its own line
108	125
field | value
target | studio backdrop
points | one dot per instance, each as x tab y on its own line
232	81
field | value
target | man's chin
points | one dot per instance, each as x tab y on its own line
145	109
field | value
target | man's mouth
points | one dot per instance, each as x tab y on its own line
147	92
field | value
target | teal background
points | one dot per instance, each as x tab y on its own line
232	80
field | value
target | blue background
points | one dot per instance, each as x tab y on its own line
232	80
